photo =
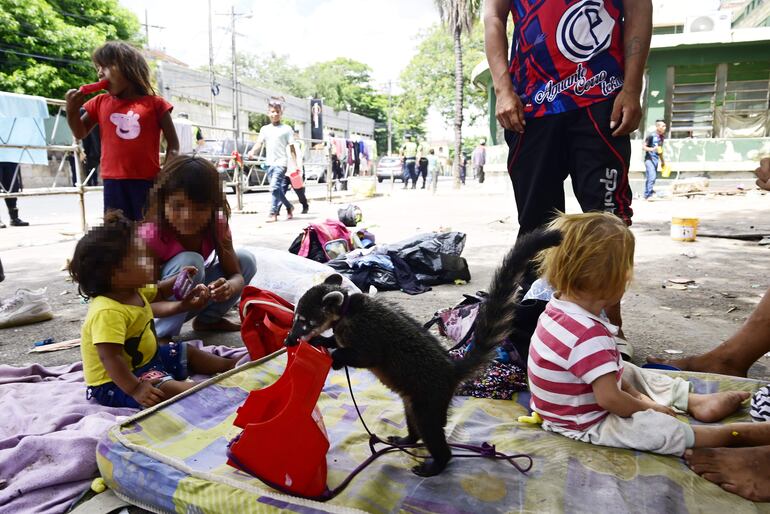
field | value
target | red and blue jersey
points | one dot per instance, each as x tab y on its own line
566	54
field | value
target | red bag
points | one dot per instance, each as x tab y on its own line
296	179
266	319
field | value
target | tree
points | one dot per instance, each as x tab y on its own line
344	83
430	76
46	45
458	16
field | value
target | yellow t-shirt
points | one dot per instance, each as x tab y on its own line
409	150
113	322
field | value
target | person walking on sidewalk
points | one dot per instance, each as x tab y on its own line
479	159
276	137
573	116
653	154
10	182
409	156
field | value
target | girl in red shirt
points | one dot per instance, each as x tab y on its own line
130	118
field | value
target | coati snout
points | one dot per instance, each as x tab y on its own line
371	333
316	311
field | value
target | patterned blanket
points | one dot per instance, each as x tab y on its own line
173	458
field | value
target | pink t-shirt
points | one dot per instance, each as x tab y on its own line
165	246
569	350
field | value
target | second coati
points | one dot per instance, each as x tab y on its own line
377	335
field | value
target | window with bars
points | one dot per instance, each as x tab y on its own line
746	100
693	101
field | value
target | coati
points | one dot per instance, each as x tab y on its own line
374	334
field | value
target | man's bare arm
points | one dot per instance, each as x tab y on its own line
509	111
637	32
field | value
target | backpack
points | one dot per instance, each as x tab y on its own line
266	319
458	324
312	241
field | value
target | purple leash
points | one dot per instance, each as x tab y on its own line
486	450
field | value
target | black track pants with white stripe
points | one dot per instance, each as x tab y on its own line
578	144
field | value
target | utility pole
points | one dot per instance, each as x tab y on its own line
147	26
390	126
236	100
212	106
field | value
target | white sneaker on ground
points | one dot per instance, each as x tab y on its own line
26	306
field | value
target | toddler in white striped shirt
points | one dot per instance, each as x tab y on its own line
579	384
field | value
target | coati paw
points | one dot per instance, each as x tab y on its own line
336	362
394	439
428	468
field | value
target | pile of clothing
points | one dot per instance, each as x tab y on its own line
411	265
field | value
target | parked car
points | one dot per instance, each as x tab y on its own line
390	168
315	173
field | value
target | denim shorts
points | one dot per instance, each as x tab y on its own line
170	360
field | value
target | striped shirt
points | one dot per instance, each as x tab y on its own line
570	349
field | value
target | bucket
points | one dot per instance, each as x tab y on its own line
684	229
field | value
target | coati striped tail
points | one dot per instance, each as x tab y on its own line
495	320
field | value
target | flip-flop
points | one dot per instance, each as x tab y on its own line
665	367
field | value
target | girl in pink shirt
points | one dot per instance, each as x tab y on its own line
187	225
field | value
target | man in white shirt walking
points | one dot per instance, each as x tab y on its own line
275	136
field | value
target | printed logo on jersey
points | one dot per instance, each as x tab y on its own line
584	30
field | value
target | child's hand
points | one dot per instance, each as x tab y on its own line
197	298
147	394
190	270
664	409
75	100
221	290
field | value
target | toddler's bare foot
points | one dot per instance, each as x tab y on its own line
741	471
710	408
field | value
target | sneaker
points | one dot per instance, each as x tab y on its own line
26	306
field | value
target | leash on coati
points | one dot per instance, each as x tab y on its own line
374	334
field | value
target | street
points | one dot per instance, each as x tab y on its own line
729	275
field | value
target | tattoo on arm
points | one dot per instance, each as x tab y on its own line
633	47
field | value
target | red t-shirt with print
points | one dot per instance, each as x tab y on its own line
130	132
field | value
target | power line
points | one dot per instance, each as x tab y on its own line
45	57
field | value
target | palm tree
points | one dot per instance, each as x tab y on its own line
458	16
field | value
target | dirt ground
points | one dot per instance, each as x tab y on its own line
729	275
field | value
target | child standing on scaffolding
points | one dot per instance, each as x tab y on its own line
131	118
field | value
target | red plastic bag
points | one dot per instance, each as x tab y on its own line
266	319
296	179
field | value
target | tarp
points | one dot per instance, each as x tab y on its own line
22	124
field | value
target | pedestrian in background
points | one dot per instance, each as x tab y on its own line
479	159
422	162
276	137
653	155
10	180
409	155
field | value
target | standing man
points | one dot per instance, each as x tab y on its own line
422	162
409	156
275	136
653	152
479	159
10	182
568	100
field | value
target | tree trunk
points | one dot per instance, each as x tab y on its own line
458	104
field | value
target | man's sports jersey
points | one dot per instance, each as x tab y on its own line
566	54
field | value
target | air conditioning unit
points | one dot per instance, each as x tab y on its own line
718	21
